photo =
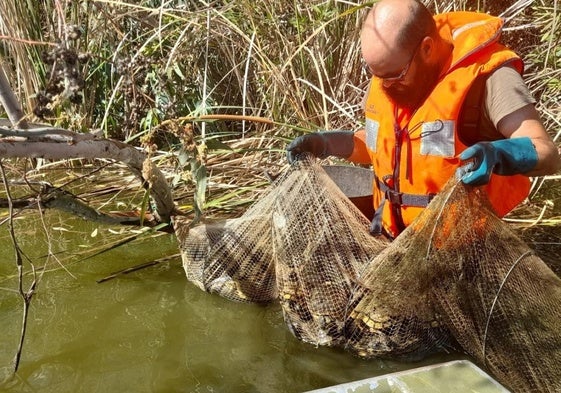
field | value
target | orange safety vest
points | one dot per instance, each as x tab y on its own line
414	157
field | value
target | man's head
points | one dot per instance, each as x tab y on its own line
400	45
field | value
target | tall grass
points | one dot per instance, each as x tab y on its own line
152	66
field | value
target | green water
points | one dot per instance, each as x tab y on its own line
149	330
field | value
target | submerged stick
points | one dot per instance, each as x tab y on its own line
136	268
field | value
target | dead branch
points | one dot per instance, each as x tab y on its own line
49	196
9	101
55	145
69	203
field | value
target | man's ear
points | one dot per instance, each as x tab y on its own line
427	48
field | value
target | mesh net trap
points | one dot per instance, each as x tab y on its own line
457	277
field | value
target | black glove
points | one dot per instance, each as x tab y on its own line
322	144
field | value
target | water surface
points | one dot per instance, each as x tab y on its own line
149	330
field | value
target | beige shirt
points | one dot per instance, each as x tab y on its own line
505	92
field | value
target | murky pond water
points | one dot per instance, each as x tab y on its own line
149	330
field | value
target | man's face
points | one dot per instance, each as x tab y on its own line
416	84
405	77
406	73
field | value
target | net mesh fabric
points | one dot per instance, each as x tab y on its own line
499	300
321	246
233	258
457	276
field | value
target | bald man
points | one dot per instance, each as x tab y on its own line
446	99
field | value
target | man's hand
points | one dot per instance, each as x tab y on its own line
503	157
315	144
322	144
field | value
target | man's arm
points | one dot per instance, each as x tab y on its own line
528	149
509	105
526	122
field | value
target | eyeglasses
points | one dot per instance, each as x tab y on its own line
403	73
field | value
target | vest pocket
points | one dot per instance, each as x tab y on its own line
437	138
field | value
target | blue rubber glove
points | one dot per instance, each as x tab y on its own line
503	157
322	144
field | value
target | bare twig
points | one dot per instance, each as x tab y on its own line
25	295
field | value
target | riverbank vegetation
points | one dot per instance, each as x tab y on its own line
215	90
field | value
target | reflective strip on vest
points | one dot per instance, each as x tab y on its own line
372	128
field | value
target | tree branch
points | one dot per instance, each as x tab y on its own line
55	149
9	101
